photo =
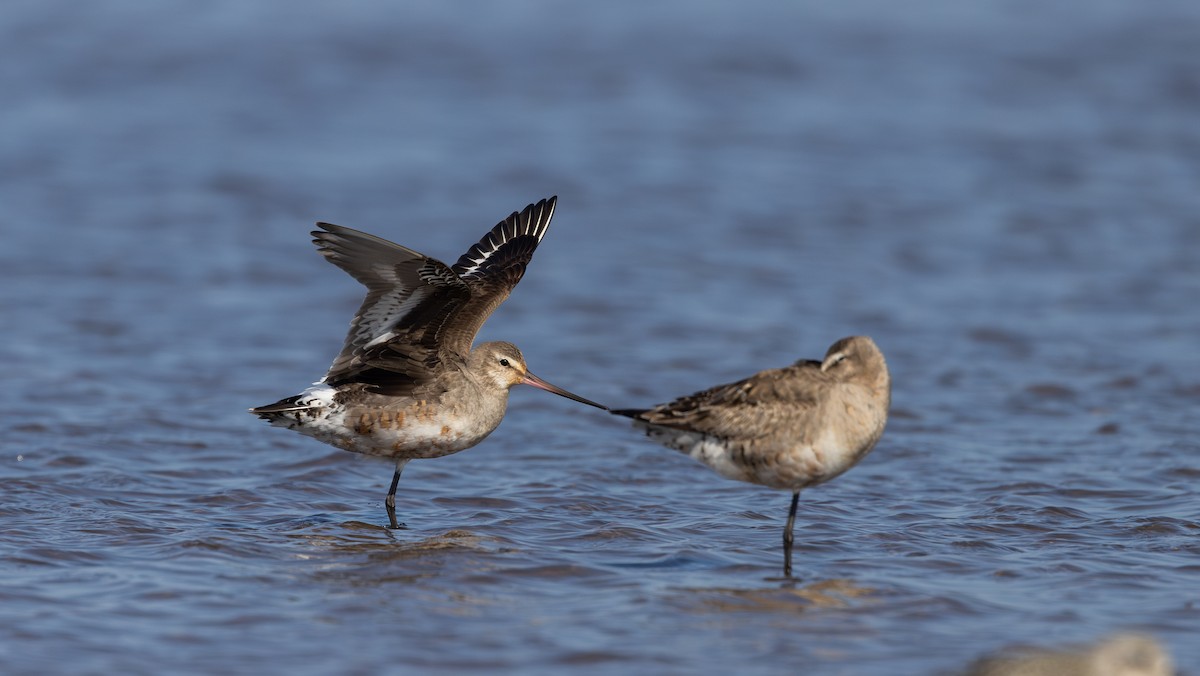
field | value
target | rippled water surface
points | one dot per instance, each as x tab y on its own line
1004	195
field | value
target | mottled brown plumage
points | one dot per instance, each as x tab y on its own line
786	428
407	383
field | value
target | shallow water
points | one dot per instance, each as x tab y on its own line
1004	196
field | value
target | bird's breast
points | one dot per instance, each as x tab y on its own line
420	429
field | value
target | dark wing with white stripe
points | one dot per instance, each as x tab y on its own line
418	311
393	343
493	266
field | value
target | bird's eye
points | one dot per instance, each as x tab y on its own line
504	362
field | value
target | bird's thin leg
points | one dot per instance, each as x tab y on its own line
787	535
390	502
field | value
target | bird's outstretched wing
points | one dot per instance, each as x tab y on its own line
492	267
419	311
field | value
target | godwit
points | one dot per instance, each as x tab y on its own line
787	428
407	383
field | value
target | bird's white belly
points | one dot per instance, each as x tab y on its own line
365	433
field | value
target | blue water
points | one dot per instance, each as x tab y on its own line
1005	196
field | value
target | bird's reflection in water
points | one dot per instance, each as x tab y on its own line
787	597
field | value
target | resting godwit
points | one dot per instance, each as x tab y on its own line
407	383
787	428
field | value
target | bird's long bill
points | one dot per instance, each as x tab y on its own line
537	382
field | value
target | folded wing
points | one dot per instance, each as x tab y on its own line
755	406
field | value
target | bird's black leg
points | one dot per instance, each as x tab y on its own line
787	535
390	502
